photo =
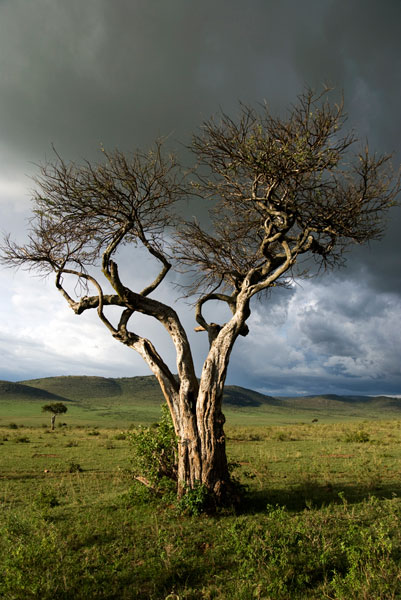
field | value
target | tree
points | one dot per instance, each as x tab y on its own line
286	199
56	408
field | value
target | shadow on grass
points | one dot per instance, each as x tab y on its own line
309	495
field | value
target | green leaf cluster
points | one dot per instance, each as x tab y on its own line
155	456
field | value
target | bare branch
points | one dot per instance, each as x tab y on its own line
282	181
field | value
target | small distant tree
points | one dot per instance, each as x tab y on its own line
56	408
287	197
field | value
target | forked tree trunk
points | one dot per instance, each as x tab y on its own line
195	407
198	422
202	457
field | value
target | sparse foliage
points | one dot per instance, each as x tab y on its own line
284	194
74	467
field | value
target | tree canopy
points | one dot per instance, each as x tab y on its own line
57	408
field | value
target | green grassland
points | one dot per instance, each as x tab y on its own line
320	519
320	516
118	402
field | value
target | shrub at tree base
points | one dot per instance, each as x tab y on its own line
154	465
154	458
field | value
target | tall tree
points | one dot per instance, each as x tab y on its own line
286	198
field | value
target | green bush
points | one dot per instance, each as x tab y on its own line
359	437
46	498
155	454
74	467
195	501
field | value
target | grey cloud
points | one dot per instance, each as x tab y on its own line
124	72
355	328
354	303
331	338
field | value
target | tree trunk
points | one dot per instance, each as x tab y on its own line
199	424
215	474
196	407
202	444
202	456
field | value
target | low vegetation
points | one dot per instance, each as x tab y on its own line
320	517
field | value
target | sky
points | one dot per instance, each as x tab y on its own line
77	75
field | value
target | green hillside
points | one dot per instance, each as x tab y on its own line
333	402
77	387
141	389
239	396
125	400
18	391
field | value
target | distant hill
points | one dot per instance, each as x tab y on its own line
142	388
333	402
111	393
18	391
77	387
239	396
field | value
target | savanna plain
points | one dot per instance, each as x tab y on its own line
320	516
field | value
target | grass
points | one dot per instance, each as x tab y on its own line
98	414
321	518
122	411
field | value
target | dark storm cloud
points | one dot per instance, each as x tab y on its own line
80	73
128	70
359	46
124	72
121	73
